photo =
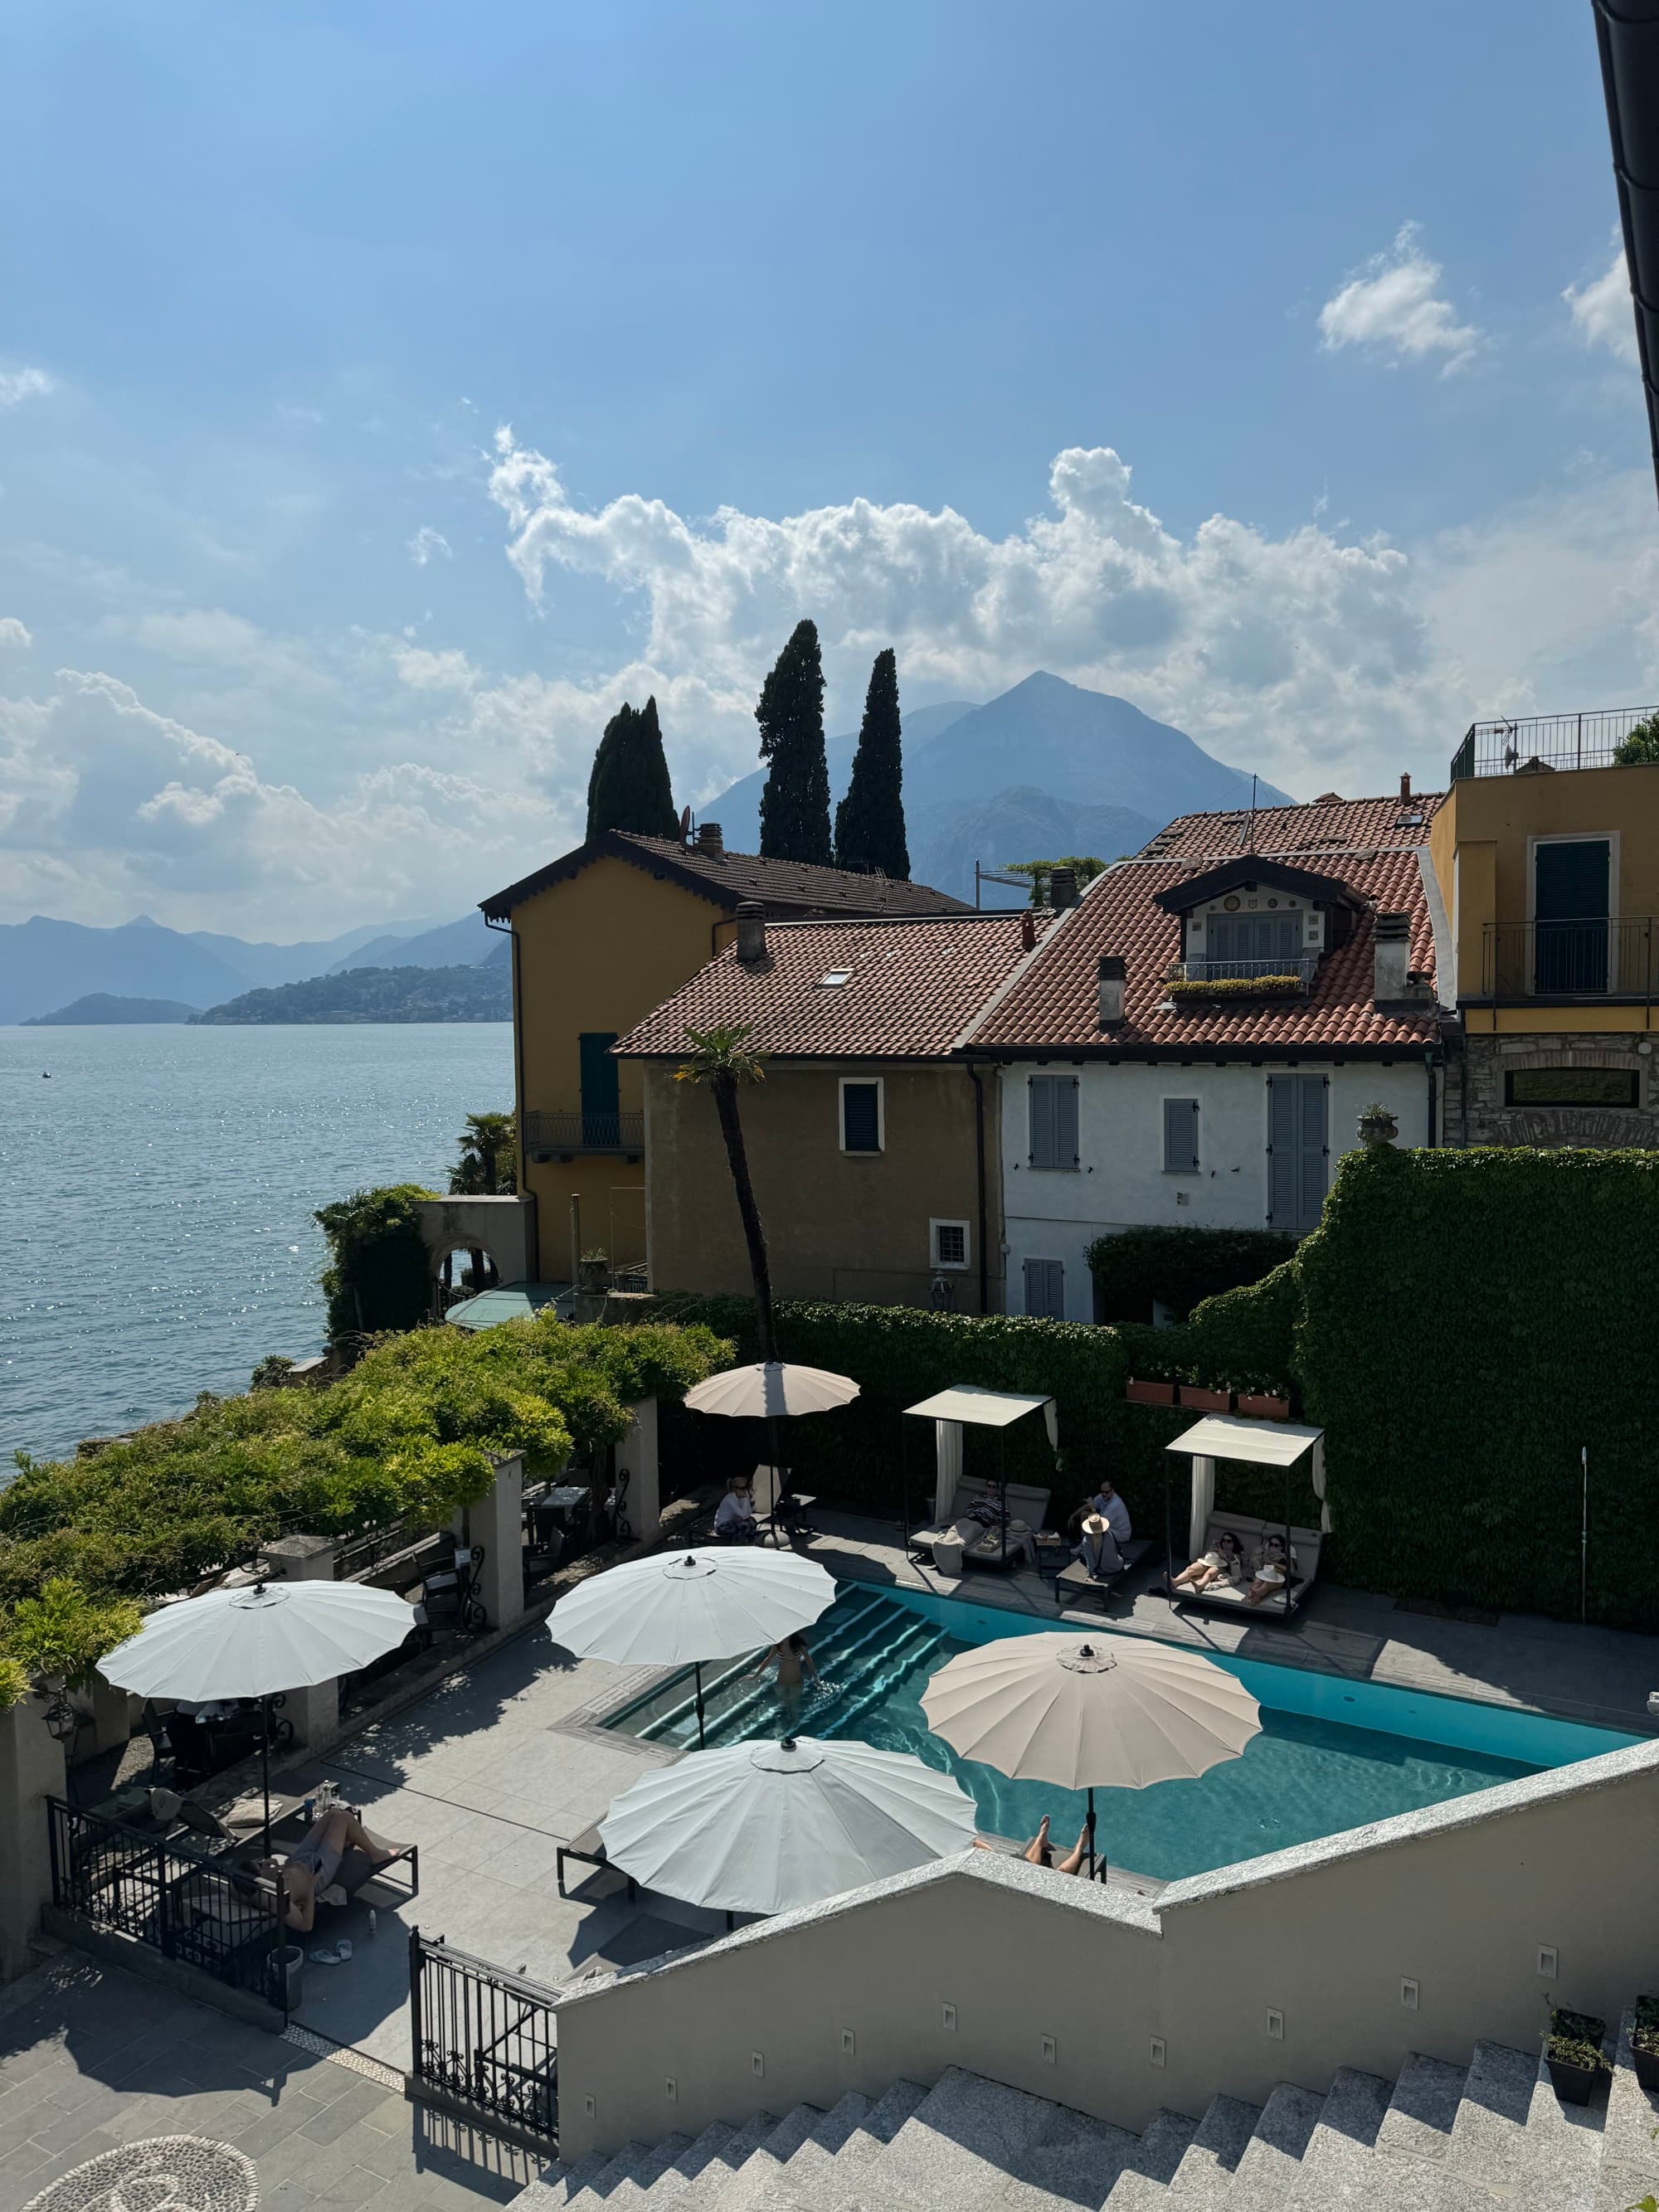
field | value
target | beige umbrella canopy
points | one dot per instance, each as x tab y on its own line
1115	1713
770	1389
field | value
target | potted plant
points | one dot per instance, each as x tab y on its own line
1206	1401
1377	1126
1573	2054
593	1270
1644	2042
1261	1405
1150	1394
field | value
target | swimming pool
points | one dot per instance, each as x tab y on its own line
1334	1754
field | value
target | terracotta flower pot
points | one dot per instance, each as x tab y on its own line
1206	1401
1263	1409
1150	1394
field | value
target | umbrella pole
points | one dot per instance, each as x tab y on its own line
264	1761
697	1669
1091	1832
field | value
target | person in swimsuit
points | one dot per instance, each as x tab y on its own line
1273	1567
1224	1562
789	1658
312	1865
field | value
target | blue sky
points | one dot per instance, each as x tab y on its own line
386	393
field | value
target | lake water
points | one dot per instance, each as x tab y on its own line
156	1195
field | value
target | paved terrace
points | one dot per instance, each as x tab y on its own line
488	1774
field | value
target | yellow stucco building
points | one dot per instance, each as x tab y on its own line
1546	856
599	938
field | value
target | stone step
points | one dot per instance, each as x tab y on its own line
704	2191
620	2167
1144	2184
1629	2169
1266	2177
859	2153
560	2185
1338	2168
1201	2179
957	2149
1069	2168
1514	2136
810	2174
768	2160
1422	2110
708	2146
653	2181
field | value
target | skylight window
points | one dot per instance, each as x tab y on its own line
835	978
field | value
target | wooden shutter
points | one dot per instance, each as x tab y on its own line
1298	1159
1312	1103
1045	1289
1181	1134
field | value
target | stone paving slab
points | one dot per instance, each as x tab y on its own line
93	2059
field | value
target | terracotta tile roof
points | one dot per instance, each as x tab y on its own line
1327	824
1055	1003
784	887
912	988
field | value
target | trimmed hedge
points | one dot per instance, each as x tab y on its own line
1244	1340
1178	1268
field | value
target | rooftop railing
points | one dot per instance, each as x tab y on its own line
1545	741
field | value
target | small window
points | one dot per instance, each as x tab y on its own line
1572	1086
1045	1289
949	1240
862	1118
834	978
1052	1127
1180	1136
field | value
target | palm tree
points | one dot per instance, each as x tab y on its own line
720	1060
488	1165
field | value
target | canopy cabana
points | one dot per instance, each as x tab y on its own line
970	1404
1287	1445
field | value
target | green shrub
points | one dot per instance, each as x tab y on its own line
1640	745
63	1632
378	1276
1178	1268
14	1684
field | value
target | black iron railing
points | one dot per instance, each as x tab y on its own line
176	1898
1583	959
484	2038
1545	741
584	1133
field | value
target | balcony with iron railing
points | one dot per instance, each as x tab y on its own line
1269	976
1569	960
583	1132
1545	741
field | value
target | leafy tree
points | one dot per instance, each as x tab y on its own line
628	787
795	808
63	1632
1640	747
870	820
720	1061
1041	873
489	1163
377	1277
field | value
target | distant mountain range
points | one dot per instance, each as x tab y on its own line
1044	769
480	992
48	967
100	1008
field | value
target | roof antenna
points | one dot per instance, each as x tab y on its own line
1249	828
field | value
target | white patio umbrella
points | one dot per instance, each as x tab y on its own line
1117	1713
770	1389
760	1828
256	1640
714	1604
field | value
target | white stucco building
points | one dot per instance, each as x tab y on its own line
1193	1043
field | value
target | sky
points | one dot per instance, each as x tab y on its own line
388	391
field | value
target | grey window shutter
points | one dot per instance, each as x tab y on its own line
1066	1150
1181	1134
1313	1106
1281	1150
1045	1289
1039	1094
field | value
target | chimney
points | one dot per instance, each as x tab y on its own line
1404	787
710	838
1062	889
751	932
1027	931
1110	972
1391	981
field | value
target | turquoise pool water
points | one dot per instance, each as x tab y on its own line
1332	1753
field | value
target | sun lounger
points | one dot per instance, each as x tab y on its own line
1231	1598
589	1847
952	1548
1075	1582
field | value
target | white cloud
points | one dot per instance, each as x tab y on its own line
17	384
1393	307
427	544
13	632
1602	312
423	670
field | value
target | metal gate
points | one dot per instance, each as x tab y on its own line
485	2040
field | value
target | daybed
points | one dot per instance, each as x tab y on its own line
1251	1532
962	1542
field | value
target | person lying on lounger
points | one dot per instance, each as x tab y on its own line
1222	1563
1272	1568
1041	1852
309	1869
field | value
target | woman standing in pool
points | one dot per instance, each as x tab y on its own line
789	1658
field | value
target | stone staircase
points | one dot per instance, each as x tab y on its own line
1439	2139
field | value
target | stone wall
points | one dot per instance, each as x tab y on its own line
1474	1112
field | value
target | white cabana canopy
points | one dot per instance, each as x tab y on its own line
1262	1444
971	1403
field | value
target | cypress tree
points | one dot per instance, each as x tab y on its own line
795	809
629	787
870	820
